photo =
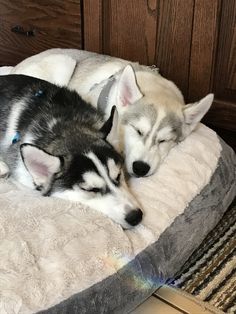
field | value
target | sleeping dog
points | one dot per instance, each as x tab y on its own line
153	115
53	141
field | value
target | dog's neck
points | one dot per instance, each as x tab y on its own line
102	101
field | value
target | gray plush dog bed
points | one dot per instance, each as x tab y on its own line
60	257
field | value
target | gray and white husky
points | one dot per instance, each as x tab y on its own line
53	141
152	112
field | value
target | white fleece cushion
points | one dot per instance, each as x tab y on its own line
51	249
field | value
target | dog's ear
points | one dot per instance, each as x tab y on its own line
128	91
193	113
110	128
41	166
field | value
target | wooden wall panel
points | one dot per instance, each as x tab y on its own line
225	74
223	111
222	114
173	43
56	23
129	29
125	29
203	49
92	25
231	82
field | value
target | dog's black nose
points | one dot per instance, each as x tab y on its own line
140	168
134	217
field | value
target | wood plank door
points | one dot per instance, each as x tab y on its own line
223	113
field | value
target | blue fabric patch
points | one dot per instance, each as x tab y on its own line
16	138
38	93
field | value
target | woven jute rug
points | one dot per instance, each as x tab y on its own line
210	273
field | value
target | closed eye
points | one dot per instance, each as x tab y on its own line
94	190
140	133
161	141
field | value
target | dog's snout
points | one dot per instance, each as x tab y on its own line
134	217
140	168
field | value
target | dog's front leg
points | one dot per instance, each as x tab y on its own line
4	170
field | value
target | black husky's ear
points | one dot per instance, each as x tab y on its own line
41	165
110	128
107	126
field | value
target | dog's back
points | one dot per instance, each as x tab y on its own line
43	111
37	112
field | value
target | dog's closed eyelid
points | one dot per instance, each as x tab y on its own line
94	190
137	130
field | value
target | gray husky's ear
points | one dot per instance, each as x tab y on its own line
128	91
40	165
110	129
193	113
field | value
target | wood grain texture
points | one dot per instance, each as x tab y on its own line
129	29
173	41
222	114
203	49
231	82
55	23
92	18
225	74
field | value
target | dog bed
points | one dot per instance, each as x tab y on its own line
60	257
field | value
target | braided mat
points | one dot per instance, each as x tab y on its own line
210	273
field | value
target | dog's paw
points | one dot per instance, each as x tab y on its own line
4	170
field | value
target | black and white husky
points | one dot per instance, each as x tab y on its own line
53	141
